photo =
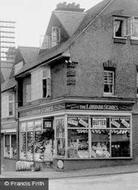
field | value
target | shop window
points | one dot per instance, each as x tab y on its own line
120	137
112	140
120	27
55	36
46	83
10	150
36	141
11	104
78	137
109	82
60	136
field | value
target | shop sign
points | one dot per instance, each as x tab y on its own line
42	110
99	123
125	123
72	122
83	123
103	107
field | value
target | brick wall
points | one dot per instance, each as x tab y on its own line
94	48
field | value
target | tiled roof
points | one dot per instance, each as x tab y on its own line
47	54
70	20
29	54
91	14
8	84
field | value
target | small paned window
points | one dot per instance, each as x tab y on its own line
108	82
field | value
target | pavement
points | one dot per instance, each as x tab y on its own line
52	174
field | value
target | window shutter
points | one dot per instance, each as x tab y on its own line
48	87
130	26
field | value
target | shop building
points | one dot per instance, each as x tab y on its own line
77	101
8	125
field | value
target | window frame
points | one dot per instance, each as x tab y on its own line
124	19
55	36
46	76
11	102
10	145
113	84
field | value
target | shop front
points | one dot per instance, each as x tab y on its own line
76	138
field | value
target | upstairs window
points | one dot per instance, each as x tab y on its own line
120	27
11	104
55	36
108	82
46	83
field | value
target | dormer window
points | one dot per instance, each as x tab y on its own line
55	36
120	27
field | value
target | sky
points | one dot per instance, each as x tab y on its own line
32	17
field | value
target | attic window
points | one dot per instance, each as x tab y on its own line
120	27
55	36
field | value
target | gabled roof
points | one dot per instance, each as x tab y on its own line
70	20
29	54
90	16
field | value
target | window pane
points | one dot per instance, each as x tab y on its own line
108	81
30	145
119	27
120	140
60	130
23	146
100	147
44	88
13	146
78	143
60	147
7	146
11	108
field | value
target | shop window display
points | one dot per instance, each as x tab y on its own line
103	137
78	137
7	146
36	141
60	136
10	150
100	144
120	137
